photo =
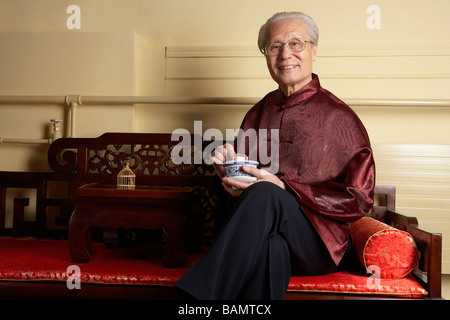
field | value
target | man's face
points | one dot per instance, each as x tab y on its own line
291	70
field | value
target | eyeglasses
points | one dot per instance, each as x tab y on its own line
294	45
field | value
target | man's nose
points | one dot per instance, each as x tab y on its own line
285	52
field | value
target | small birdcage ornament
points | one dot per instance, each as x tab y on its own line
126	179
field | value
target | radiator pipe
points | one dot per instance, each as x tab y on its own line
25	141
56	134
124	100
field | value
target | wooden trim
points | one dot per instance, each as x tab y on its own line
325	50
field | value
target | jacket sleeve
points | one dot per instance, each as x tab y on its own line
348	196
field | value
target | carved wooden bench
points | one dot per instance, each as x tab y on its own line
80	161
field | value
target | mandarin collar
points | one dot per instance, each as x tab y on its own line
299	96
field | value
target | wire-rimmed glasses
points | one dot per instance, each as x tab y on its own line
294	45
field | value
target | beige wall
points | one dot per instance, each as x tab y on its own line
208	48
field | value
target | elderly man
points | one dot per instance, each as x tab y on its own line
293	221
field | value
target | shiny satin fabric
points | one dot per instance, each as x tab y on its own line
325	157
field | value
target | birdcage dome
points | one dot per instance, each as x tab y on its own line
126	179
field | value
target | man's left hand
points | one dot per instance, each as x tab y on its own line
235	188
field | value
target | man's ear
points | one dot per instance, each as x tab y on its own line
314	52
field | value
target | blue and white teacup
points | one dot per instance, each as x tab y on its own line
234	170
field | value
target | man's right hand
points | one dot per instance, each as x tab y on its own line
220	155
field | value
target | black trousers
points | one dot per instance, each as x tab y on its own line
267	239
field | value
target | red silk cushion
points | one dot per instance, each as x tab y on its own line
357	283
385	251
48	260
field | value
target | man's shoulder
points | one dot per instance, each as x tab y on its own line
269	98
333	99
342	115
335	104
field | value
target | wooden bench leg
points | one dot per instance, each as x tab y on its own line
175	254
79	237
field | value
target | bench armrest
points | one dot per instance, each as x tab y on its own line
429	268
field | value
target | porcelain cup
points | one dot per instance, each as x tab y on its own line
234	170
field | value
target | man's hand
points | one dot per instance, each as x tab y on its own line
235	187
232	186
220	155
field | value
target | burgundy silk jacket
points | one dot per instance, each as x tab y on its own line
325	158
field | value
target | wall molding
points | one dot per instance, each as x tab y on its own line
335	61
325	50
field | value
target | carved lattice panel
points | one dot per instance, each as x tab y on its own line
143	159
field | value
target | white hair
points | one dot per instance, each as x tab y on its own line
313	31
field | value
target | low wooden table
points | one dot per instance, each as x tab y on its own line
146	207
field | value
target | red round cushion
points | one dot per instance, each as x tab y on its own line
385	251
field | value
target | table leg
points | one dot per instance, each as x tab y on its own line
175	254
79	237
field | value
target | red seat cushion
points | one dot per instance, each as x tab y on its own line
37	260
384	251
48	260
357	283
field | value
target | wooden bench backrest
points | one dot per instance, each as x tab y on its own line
148	155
